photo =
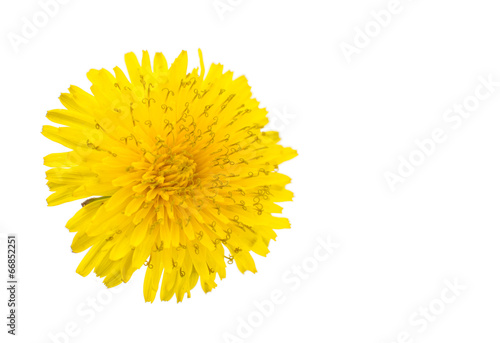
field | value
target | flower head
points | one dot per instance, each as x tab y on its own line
177	171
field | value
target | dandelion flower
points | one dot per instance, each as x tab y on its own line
177	173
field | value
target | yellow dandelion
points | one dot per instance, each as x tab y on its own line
178	174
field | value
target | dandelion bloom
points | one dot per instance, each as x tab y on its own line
177	172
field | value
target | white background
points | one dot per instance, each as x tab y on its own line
351	122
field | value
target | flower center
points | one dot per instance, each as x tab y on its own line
167	172
171	172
